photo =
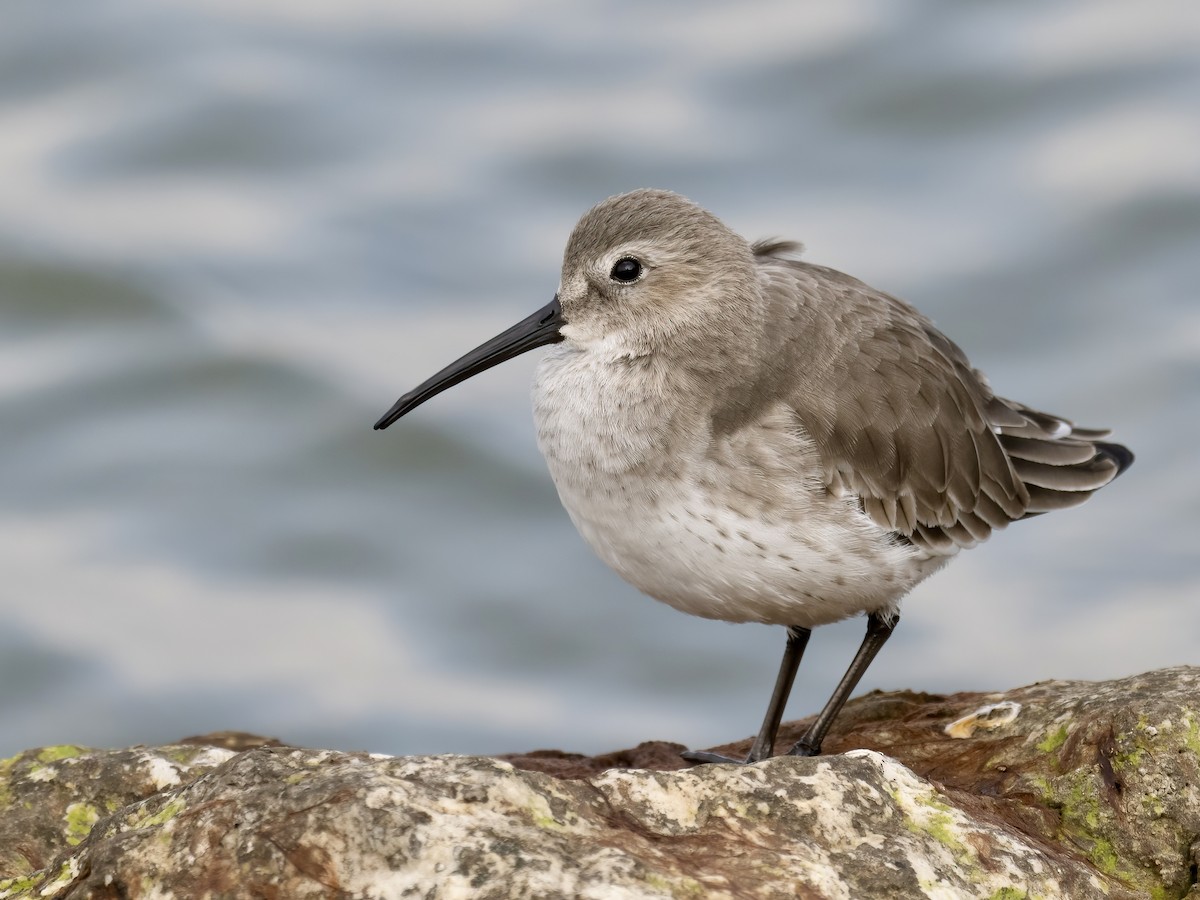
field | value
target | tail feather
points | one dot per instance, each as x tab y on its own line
1064	452
1086	476
1060	464
1043	500
1118	453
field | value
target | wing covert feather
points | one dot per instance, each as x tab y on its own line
901	419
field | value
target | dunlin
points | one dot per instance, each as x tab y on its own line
749	437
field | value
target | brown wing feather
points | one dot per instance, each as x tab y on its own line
902	420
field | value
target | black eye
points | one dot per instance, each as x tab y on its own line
626	269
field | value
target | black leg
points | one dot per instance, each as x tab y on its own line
879	629
764	744
797	640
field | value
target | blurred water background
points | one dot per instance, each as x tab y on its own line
232	234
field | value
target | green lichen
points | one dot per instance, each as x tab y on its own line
1133	746
541	820
180	754
166	814
1104	856
1054	740
1130	759
938	824
1009	893
1083	803
683	889
1153	805
6	767
63	751
14	887
1191	737
26	884
1043	784
940	828
738	810
80	818
543	816
1085	819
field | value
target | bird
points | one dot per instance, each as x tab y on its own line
750	437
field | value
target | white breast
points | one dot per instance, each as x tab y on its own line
736	527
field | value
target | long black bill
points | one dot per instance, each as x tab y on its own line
539	329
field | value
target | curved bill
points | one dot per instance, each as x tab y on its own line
539	329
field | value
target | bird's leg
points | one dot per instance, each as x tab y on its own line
879	629
764	744
797	640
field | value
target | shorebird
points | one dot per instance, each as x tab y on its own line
749	437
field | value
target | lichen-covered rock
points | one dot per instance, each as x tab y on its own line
300	824
1105	771
50	798
1072	790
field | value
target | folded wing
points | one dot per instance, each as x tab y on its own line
902	420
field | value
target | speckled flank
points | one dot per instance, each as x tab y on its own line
705	545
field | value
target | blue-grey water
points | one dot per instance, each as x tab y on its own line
232	234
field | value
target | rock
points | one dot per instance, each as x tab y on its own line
51	798
1061	789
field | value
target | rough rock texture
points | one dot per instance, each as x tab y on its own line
51	798
1086	790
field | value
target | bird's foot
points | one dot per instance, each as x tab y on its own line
704	756
804	748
